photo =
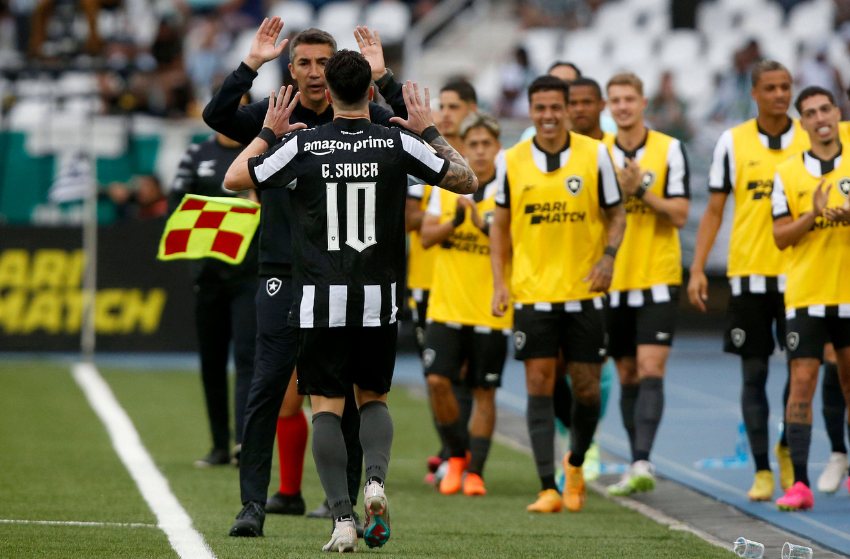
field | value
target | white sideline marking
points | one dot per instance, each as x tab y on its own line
76	523
171	517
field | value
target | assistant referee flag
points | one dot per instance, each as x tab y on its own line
210	227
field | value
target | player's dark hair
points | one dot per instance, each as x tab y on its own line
463	89
763	66
348	75
588	82
549	83
559	63
311	36
811	91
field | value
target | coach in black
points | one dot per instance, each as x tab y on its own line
347	183
224	301
275	348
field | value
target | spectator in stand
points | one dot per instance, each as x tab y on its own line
515	77
667	112
816	69
142	199
733	102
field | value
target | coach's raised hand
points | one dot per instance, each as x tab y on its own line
263	46
369	43
280	109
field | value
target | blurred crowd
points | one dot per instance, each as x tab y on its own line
158	57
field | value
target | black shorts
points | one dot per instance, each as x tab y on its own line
447	348
750	319
650	324
420	311
330	360
579	334
807	334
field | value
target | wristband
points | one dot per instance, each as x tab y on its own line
641	191
430	134
385	79
460	215
268	136
610	251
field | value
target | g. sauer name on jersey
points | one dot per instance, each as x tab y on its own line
347	182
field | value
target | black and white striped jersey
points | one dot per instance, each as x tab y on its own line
348	183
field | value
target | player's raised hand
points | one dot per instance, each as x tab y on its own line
418	109
263	47
369	43
280	109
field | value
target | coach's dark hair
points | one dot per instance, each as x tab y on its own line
766	65
588	82
558	63
463	89
811	91
549	83
311	36
348	75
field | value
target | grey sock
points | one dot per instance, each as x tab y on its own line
479	448
331	458
540	416
376	437
648	410
455	437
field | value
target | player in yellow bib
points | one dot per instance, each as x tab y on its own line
811	214
461	330
559	222
653	172
743	166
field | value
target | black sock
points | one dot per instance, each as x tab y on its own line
479	448
563	399
628	399
463	395
585	419
331	457
540	417
648	410
834	407
786	393
755	408
454	436
799	441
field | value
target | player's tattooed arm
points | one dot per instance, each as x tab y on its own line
603	271
459	178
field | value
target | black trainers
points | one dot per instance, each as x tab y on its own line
322	511
249	521
216	457
286	504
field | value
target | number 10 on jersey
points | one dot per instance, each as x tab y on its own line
353	217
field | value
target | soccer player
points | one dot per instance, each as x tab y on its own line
276	339
653	172
585	109
743	165
461	330
457	100
224	302
346	181
810	208
558	222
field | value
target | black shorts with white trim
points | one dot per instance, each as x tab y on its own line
809	328
648	324
750	322
449	346
576	328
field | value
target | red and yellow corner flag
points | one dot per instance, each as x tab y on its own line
210	227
